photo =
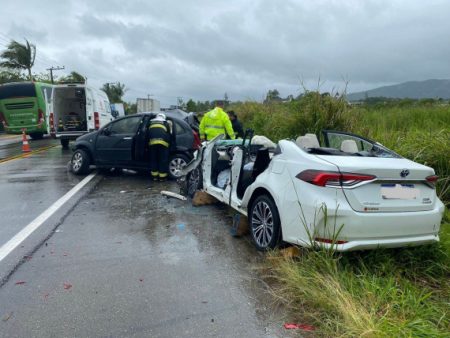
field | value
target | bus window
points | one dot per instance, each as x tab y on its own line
47	93
17	90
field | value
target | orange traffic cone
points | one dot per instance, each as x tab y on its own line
25	145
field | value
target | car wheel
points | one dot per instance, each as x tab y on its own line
265	225
194	181
80	162
176	163
64	143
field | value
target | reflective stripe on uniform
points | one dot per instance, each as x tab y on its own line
214	127
157	125
159	141
155	173
162	175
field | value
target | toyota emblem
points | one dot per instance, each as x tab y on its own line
404	173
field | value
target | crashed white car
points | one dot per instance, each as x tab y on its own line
349	193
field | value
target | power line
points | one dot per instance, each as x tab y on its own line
51	69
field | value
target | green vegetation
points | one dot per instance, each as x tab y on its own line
380	293
19	56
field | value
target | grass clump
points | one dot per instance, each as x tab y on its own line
380	293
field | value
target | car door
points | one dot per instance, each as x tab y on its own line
115	142
184	137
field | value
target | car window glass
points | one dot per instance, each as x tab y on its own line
337	139
178	128
125	126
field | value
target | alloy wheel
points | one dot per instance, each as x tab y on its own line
176	165
262	223
77	161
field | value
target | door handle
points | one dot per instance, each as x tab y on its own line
127	138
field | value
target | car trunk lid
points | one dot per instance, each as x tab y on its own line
400	185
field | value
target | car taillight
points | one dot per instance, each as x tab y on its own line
329	241
431	180
3	120
333	178
197	142
96	121
40	117
52	122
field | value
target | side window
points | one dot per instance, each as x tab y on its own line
337	139
126	126
179	130
108	107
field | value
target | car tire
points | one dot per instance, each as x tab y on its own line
64	143
80	162
265	224
176	163
194	181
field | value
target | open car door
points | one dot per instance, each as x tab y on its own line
115	142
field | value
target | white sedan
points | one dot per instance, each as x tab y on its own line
349	194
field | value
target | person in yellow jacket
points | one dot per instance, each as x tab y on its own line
215	122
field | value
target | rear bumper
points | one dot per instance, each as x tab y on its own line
32	128
364	231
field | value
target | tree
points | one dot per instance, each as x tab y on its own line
115	91
191	106
73	77
19	56
272	95
7	75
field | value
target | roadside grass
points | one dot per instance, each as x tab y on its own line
379	293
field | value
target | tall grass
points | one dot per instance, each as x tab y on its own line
381	293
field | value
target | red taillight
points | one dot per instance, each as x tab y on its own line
40	117
333	178
329	241
197	142
3	120
96	121
52	122
432	179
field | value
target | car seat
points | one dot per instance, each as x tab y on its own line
314	140
349	146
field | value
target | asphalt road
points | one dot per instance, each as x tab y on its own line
121	260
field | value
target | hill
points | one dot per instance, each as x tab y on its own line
412	89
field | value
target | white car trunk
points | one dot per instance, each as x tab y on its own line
392	190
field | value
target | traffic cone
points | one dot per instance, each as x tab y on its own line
25	145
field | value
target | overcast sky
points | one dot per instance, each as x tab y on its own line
202	49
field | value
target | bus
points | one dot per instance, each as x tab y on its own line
23	106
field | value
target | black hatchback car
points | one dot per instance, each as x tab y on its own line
123	143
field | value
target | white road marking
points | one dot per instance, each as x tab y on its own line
14	242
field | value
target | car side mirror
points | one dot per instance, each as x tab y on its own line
106	132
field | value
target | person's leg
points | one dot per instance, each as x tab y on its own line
154	162
163	163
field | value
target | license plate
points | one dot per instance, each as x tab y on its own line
399	192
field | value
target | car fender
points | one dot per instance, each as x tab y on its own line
88	146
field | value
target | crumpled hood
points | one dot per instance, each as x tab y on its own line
214	113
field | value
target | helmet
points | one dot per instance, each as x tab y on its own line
161	116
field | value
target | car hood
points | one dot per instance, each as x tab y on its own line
87	136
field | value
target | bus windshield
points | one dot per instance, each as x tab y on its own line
17	90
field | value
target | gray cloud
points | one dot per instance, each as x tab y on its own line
202	49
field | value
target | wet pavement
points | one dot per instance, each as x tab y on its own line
11	145
30	185
127	261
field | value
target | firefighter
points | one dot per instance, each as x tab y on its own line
216	122
159	142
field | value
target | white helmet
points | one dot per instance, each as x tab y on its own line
161	116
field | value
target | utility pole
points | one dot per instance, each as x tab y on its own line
148	96
51	69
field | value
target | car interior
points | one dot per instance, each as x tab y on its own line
256	159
